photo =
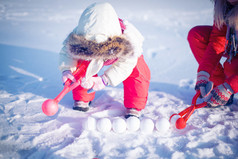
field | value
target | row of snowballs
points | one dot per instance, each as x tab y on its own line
132	124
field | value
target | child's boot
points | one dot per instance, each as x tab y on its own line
132	112
81	106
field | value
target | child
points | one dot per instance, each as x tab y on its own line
104	39
209	44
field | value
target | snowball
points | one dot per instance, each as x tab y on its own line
104	125
162	125
133	123
174	119
119	125
90	123
146	126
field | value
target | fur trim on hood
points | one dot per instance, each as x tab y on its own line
81	48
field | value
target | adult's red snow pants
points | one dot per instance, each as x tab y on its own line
136	87
198	38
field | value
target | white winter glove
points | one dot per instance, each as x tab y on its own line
95	83
67	75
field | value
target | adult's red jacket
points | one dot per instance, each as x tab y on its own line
213	54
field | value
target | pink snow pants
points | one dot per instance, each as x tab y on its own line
136	87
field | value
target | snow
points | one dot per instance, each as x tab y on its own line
32	33
24	72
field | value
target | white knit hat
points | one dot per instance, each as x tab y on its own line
98	22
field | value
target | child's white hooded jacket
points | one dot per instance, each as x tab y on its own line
98	36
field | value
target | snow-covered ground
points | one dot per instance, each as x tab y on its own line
31	36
